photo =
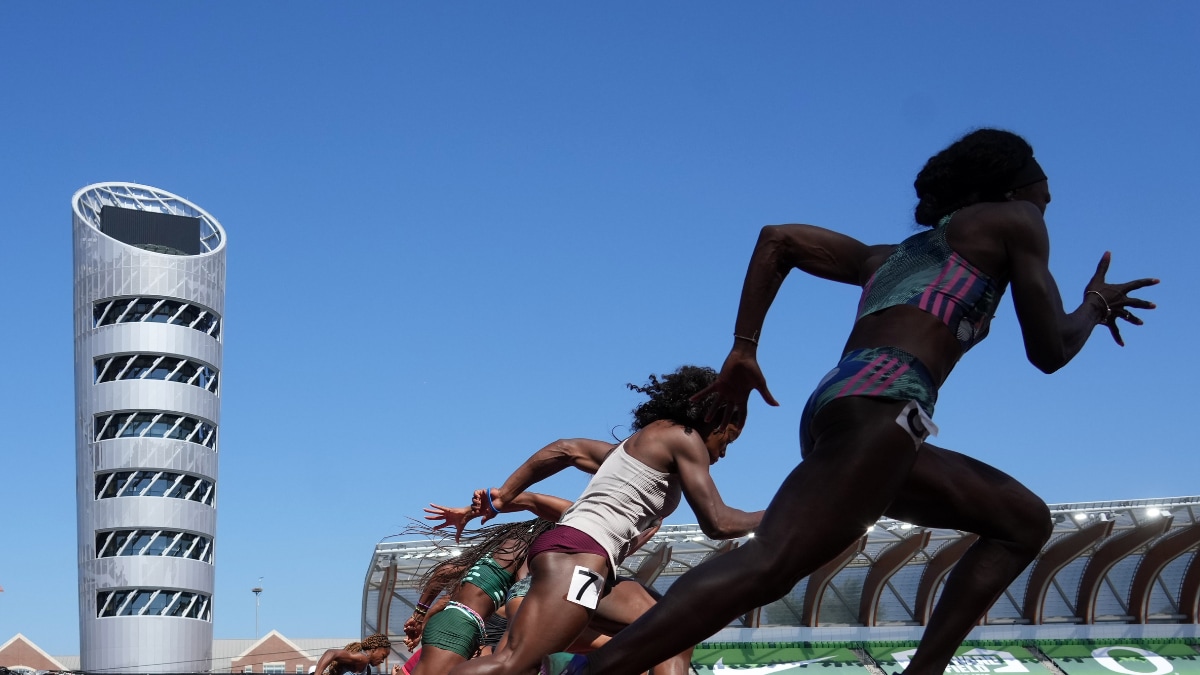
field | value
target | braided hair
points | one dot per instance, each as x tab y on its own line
375	642
979	167
671	398
509	540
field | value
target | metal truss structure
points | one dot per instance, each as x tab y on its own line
1114	562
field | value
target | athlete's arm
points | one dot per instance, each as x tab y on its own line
1052	336
546	507
328	658
644	536
582	453
716	519
780	249
443	577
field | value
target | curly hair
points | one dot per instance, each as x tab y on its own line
376	641
671	398
509	540
353	647
979	167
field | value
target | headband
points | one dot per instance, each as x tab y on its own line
1030	173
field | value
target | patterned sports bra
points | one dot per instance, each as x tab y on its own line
926	273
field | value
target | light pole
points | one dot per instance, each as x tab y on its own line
257	590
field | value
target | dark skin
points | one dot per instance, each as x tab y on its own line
859	464
629	600
345	662
547	621
438	661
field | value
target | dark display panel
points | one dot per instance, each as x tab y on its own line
160	232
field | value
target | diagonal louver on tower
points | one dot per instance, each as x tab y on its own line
149	303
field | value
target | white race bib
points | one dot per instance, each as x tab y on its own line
586	586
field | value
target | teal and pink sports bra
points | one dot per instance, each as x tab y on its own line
926	273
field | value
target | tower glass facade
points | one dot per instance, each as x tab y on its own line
149	307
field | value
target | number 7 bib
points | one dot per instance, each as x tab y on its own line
585	587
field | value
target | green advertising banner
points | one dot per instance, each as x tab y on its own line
770	658
979	658
1134	657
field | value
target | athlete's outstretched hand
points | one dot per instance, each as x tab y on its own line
487	503
1116	297
740	375
459	517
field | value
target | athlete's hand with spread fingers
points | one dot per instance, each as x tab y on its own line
459	517
1116	298
740	375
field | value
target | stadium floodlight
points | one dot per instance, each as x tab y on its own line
1153	512
1080	517
906	526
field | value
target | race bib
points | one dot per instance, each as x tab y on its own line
585	587
918	425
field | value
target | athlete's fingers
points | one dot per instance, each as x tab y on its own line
1138	283
1116	332
1130	317
703	393
766	394
1138	303
1102	266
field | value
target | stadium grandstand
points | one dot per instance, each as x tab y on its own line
1115	590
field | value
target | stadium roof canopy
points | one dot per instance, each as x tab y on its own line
1114	562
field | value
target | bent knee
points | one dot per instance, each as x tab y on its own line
1029	525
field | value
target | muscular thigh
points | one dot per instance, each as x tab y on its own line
947	489
860	459
547	621
625	603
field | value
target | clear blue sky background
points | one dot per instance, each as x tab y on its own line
456	230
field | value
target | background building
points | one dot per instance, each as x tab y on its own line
149	298
274	653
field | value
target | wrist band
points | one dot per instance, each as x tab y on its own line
422	605
751	340
487	492
418	610
1107	309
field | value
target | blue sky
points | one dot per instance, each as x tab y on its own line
456	230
